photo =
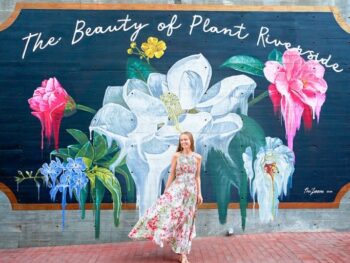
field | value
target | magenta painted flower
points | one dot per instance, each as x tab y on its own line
298	90
48	104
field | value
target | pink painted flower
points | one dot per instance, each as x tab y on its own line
298	90
48	104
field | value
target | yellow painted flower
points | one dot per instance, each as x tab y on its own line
133	44
129	51
153	47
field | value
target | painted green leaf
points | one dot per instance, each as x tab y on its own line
223	190
113	148
78	135
222	179
82	199
108	159
92	179
100	146
124	171
251	135
73	150
107	178
87	161
245	64
61	153
231	172
97	195
87	151
123	162
138	69
275	55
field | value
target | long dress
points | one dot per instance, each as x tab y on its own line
171	218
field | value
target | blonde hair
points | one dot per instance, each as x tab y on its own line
190	136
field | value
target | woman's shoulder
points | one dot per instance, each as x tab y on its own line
176	155
197	155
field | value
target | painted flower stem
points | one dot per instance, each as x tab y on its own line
28	176
259	98
86	108
142	54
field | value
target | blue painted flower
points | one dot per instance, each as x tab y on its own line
51	172
71	176
58	165
63	189
46	170
57	188
67	179
80	180
77	165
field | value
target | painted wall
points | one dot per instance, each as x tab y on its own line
7	6
106	99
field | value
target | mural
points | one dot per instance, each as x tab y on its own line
143	81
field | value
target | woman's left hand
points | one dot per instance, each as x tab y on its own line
199	199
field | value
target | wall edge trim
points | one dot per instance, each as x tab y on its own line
132	206
174	7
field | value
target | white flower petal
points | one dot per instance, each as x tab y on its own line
139	170
158	171
262	186
135	84
269	187
155	145
157	84
285	164
247	157
220	135
104	122
195	63
272	143
114	94
194	123
149	110
228	95
148	170
142	104
115	120
191	89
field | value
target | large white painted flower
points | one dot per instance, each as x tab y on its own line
145	119
269	176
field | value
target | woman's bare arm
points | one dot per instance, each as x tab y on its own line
198	180
172	171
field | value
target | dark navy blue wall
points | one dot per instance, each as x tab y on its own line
87	68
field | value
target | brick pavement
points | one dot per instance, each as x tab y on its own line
269	247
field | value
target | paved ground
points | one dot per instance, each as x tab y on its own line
274	247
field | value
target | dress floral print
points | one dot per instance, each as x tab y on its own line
171	217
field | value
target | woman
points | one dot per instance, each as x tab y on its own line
171	218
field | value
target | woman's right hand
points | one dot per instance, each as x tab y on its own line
199	199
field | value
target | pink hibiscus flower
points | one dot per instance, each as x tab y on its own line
48	104
298	90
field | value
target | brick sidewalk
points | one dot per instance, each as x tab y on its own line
272	247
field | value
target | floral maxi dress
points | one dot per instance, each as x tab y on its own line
171	217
